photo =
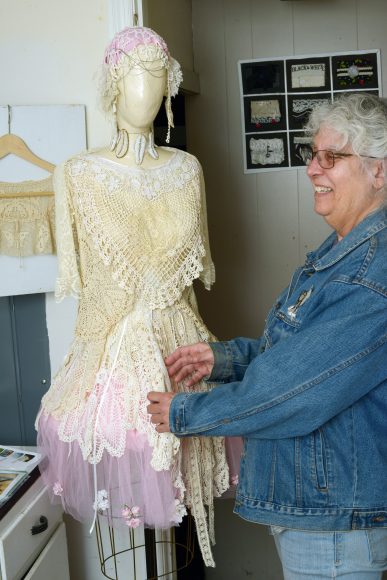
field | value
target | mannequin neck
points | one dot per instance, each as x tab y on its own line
133	131
134	145
134	136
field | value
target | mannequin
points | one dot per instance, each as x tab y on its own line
132	237
140	96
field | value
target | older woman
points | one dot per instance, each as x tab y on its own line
310	395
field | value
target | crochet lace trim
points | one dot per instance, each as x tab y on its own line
27	224
144	255
198	465
130	242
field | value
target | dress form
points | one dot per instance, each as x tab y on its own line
140	96
132	237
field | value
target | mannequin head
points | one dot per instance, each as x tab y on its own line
140	94
137	62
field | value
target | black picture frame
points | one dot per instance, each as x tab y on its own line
300	106
269	139
355	71
263	77
308	70
271	124
278	94
296	141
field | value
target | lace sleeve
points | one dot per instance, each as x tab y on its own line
207	275
68	281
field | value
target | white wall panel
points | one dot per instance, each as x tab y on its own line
238	264
207	114
372	21
4	112
51	52
321	26
53	132
271	28
277	223
278	229
178	37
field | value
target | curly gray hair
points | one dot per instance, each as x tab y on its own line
361	120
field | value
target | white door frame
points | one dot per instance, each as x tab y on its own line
124	13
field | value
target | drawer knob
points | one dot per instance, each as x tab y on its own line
40	527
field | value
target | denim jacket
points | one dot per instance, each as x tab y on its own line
309	396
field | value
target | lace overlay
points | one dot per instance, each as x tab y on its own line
130	244
27	224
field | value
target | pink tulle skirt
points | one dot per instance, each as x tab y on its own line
234	448
129	490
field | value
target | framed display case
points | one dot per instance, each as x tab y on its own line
277	96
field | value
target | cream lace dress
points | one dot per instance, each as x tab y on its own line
130	242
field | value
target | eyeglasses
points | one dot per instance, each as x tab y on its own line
325	157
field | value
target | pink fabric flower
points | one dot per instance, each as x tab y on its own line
234	480
57	488
130	514
133	522
135	510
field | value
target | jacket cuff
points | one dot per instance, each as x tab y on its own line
223	362
176	413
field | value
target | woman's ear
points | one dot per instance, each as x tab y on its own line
379	174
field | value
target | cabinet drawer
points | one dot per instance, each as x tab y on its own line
52	562
19	548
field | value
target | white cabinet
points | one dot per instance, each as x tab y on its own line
39	556
53	559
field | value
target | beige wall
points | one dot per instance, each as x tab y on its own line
172	19
50	54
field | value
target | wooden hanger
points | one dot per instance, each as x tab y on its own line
26	194
10	143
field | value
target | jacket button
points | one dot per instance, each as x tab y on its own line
378	519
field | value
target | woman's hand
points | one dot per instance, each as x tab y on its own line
190	363
158	408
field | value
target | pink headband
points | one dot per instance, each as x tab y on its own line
129	39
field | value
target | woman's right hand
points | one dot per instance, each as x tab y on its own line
190	363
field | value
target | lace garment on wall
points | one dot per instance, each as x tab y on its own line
27	224
266	151
130	244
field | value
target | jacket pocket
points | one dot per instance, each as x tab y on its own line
377	542
320	460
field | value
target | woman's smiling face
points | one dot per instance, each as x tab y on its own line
345	193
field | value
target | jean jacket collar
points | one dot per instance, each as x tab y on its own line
331	252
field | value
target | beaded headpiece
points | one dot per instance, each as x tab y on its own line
131	47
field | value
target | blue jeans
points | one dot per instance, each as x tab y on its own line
354	555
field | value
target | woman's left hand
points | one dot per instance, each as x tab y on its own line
159	409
